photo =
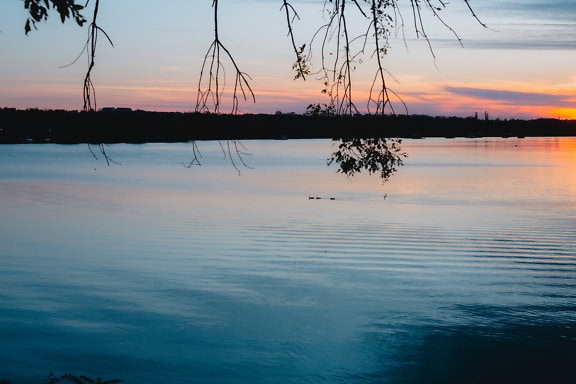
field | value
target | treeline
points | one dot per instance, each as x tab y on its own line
127	126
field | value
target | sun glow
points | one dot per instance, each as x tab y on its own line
564	113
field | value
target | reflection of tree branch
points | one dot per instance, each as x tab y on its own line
235	144
102	150
196	155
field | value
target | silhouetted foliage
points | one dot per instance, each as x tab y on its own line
342	49
320	110
374	155
38	11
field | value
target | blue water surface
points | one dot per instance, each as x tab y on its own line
460	269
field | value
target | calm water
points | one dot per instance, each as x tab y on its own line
460	269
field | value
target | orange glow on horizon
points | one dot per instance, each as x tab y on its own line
293	96
564	113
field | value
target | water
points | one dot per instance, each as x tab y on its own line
460	269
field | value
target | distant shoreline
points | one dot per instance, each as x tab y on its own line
127	126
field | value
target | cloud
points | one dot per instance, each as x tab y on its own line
521	44
512	97
560	7
505	43
524	24
535	9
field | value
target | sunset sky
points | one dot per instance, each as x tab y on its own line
521	66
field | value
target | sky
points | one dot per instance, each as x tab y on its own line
520	66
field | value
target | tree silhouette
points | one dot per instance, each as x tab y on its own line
340	47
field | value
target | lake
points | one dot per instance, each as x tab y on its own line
460	269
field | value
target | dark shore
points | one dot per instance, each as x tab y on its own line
127	126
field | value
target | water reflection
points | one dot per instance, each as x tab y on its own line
153	272
511	354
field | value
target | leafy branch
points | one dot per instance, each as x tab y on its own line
374	155
38	11
301	65
342	52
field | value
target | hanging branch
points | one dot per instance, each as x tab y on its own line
211	86
337	76
88	90
474	13
339	58
380	48
301	65
370	154
340	53
382	23
342	76
68	9
209	98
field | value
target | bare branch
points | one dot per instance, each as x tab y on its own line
209	96
474	14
